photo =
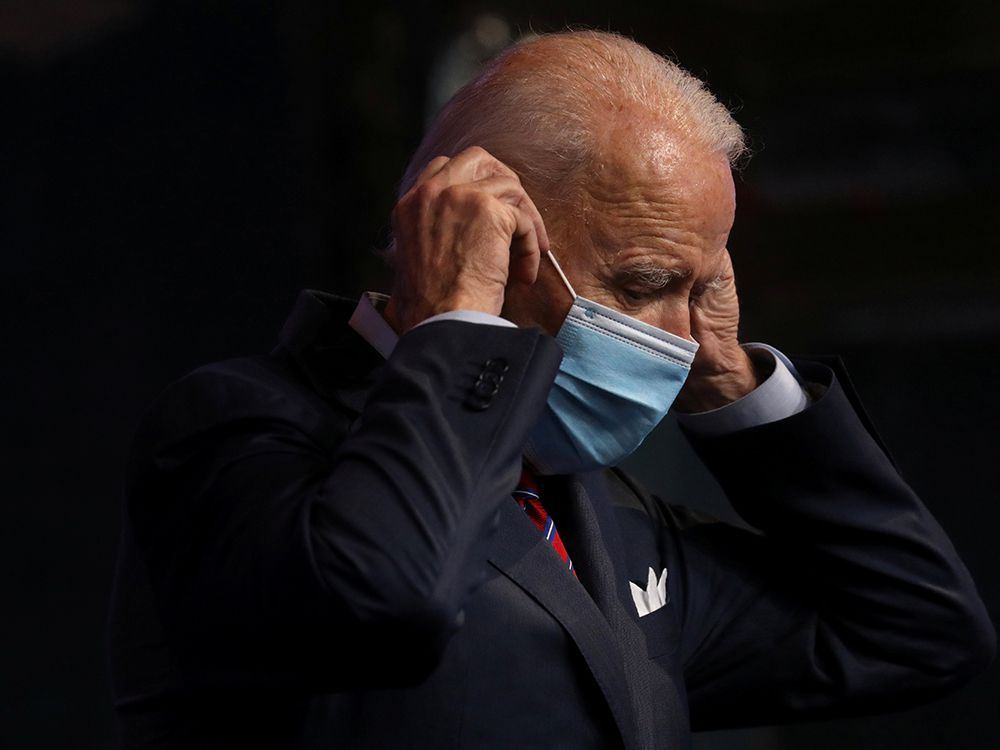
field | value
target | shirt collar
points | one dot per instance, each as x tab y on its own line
367	320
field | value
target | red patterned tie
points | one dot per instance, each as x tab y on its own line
526	495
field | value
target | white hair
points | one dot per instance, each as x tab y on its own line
537	107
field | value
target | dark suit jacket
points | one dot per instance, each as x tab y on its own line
320	550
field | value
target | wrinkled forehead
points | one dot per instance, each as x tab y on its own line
652	180
638	152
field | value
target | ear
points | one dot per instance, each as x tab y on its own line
543	304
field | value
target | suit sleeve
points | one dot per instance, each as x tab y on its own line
850	599
284	550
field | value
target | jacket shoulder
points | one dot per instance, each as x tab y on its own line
260	394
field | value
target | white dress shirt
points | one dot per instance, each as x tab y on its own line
781	395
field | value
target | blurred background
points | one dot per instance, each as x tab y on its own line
171	173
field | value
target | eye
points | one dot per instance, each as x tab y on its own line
642	283
636	296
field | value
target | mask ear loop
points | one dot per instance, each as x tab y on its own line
562	275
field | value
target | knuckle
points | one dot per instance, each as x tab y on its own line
507	220
422	194
482	202
478	152
478	198
452	194
467	199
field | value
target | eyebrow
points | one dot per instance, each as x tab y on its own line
650	274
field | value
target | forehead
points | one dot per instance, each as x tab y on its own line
653	188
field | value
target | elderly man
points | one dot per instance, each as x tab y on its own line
403	528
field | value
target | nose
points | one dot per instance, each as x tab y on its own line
676	319
682	328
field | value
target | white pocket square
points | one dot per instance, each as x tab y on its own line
654	596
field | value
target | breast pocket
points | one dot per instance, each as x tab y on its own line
662	631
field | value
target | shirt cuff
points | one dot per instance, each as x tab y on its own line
469	316
780	396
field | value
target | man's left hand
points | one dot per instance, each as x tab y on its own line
722	372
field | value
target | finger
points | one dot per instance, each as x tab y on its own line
726	272
525	260
525	249
540	230
474	163
509	190
529	239
698	325
721	285
523	201
522	220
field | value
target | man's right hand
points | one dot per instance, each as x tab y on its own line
463	231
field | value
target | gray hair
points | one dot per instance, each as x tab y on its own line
537	106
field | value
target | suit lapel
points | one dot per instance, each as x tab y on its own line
589	516
530	562
585	516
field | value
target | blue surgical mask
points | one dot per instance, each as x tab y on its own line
618	378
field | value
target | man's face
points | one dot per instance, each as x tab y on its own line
647	238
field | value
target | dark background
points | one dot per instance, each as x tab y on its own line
172	173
